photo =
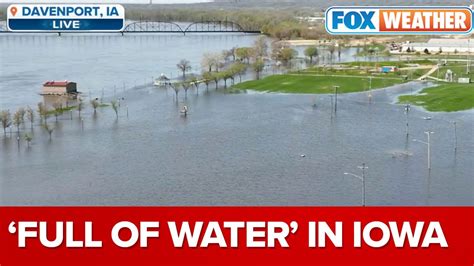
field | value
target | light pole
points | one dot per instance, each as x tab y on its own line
407	110
455	136
335	98
361	178
428	144
439	65
370	89
468	51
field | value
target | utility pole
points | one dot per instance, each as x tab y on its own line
335	98
370	89
428	135
455	136
439	65
428	144
362	167
407	110
468	52
332	103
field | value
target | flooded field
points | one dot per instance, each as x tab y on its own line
232	149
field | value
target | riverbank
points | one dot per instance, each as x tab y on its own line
443	98
349	77
317	84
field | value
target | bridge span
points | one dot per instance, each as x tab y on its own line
210	26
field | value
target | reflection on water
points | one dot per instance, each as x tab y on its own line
98	63
241	149
231	149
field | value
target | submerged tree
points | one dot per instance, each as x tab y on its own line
332	49
207	61
258	67
311	52
28	138
228	74
244	53
95	104
260	47
207	78
48	129
30	115
238	68
114	104
216	77
185	66
176	87
195	82
43	112
5	118
80	106
185	85
339	51
22	113
17	120
58	109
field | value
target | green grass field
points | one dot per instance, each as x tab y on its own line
446	97
398	64
301	83
366	68
443	98
458	69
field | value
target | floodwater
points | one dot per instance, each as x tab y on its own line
232	149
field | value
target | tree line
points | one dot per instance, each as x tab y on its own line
279	24
23	117
227	65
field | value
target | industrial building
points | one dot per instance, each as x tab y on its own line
59	88
439	46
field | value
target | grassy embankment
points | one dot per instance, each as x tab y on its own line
313	83
352	77
447	97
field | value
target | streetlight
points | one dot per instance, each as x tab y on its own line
407	110
455	136
468	60
335	98
428	144
361	178
370	89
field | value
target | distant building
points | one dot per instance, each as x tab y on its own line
163	80
440	46
59	88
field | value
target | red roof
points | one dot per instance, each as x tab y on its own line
56	83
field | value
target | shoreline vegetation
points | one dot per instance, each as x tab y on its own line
348	77
443	98
288	29
317	84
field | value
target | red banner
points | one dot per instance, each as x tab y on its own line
236	236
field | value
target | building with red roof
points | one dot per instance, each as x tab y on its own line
59	88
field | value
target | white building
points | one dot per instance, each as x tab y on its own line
440	45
